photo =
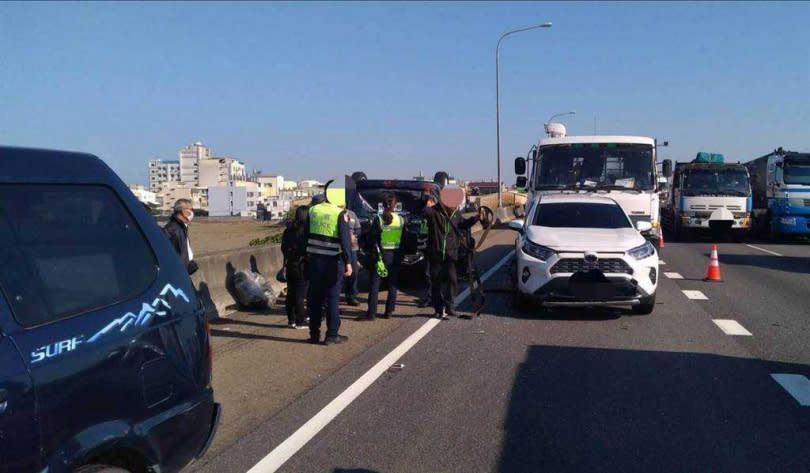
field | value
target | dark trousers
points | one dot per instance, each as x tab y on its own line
392	260
325	279
350	283
297	283
443	271
428	284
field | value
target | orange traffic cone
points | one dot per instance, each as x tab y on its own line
713	272
661	240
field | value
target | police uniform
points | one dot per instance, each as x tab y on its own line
329	250
389	239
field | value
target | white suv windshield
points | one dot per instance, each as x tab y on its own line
580	215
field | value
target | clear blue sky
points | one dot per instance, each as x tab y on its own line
316	90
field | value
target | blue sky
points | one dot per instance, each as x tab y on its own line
316	90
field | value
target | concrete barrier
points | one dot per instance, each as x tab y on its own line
215	276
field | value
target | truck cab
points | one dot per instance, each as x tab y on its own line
781	192
105	361
708	195
622	168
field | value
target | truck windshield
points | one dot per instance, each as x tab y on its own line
797	171
596	166
716	182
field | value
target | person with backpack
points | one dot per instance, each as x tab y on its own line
446	233
294	248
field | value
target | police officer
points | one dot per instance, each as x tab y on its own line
386	237
329	249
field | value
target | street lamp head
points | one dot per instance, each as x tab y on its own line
546	25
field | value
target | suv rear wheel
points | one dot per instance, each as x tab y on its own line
441	178
359	176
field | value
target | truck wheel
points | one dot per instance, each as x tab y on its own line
646	305
359	176
441	178
101	469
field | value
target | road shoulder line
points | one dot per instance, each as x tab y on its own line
289	447
763	249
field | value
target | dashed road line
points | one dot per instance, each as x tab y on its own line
796	385
732	327
662	262
695	295
289	447
673	275
763	249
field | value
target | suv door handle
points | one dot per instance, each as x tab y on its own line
3	400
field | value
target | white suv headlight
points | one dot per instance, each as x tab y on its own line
538	251
644	251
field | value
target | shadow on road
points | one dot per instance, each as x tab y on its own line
255	336
583	409
790	264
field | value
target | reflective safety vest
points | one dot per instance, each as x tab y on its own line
423	230
391	234
324	235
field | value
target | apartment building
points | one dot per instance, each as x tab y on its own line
162	172
220	171
190	157
271	185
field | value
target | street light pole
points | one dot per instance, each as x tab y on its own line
560	115
498	95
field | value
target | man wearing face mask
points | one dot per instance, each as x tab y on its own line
177	232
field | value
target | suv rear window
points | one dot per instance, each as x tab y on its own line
581	215
68	249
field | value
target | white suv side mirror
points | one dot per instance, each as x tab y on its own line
643	226
516	225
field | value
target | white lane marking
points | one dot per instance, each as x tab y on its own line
695	295
673	275
796	385
279	455
763	249
731	327
662	262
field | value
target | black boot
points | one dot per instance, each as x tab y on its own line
335	339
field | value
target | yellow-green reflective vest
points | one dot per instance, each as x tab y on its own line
391	234
324	236
424	228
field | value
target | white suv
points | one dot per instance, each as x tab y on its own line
582	250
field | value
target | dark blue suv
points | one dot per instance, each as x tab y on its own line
105	358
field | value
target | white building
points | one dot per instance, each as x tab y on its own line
190	157
220	171
271	185
162	172
310	187
234	200
170	193
145	195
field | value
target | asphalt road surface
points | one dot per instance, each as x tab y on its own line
711	381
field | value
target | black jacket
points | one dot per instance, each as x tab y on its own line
177	232
438	222
294	248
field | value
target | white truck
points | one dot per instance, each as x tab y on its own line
622	168
710	196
